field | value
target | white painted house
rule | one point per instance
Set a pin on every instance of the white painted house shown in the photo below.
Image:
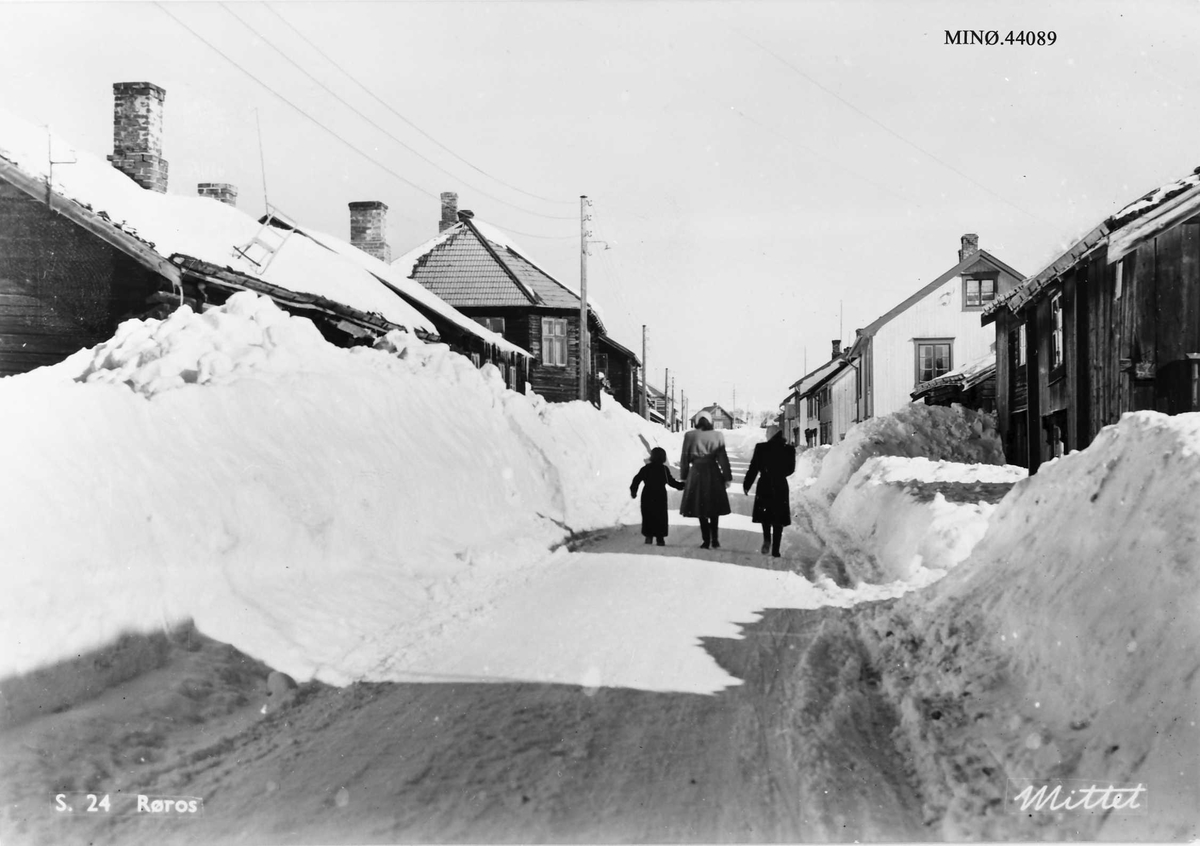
(929, 334)
(812, 407)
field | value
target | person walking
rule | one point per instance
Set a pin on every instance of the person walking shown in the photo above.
(704, 469)
(773, 461)
(654, 477)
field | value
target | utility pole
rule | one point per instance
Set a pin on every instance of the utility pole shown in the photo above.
(674, 417)
(585, 356)
(667, 398)
(645, 410)
(734, 409)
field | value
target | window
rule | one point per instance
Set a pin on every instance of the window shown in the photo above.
(1056, 331)
(978, 291)
(554, 341)
(826, 433)
(1021, 345)
(494, 324)
(933, 358)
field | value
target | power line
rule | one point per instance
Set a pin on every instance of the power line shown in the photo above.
(383, 103)
(889, 130)
(303, 113)
(337, 97)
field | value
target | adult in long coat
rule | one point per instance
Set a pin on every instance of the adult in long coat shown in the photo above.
(704, 469)
(773, 461)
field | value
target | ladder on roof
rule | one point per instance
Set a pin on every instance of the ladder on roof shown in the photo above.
(261, 250)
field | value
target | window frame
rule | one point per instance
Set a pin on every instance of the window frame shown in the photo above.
(979, 279)
(489, 323)
(554, 342)
(931, 342)
(1058, 353)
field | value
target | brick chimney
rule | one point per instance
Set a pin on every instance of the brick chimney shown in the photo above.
(368, 228)
(222, 191)
(449, 211)
(970, 246)
(137, 134)
(837, 349)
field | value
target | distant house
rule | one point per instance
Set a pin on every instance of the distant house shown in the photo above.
(930, 333)
(812, 404)
(86, 244)
(1112, 325)
(973, 385)
(484, 274)
(721, 418)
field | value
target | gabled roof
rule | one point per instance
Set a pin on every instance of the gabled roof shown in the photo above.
(1143, 218)
(713, 409)
(625, 351)
(969, 264)
(816, 379)
(472, 265)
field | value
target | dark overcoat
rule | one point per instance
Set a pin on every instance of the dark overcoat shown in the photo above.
(772, 463)
(704, 468)
(655, 478)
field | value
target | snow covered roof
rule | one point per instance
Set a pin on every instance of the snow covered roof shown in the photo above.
(967, 376)
(806, 384)
(1143, 218)
(197, 227)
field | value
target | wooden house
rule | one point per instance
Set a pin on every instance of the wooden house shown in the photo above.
(1112, 325)
(721, 419)
(929, 333)
(812, 412)
(85, 244)
(484, 274)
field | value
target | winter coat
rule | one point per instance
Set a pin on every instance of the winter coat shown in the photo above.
(654, 478)
(772, 463)
(704, 468)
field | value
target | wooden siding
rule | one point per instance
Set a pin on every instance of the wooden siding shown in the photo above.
(1128, 329)
(843, 403)
(61, 288)
(892, 352)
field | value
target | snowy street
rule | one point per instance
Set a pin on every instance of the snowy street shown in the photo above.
(799, 750)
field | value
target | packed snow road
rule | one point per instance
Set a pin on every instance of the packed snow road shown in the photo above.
(794, 745)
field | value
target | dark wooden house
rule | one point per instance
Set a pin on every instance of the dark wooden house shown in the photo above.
(78, 253)
(1110, 326)
(480, 272)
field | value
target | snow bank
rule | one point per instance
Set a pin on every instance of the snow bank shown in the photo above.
(930, 431)
(315, 506)
(905, 496)
(1068, 642)
(913, 518)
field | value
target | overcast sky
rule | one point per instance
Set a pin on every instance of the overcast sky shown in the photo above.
(768, 175)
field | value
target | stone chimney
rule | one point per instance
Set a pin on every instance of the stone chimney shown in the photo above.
(137, 134)
(837, 349)
(970, 246)
(368, 229)
(449, 211)
(222, 191)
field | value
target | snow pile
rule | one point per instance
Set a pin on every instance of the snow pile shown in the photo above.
(905, 496)
(913, 518)
(917, 430)
(1068, 643)
(315, 506)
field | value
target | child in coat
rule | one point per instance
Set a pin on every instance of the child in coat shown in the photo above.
(654, 477)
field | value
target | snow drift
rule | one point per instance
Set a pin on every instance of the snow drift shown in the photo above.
(1067, 642)
(293, 498)
(905, 496)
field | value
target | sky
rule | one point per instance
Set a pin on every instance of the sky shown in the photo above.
(764, 177)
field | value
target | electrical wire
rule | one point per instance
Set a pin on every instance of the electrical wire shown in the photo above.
(337, 97)
(891, 131)
(383, 103)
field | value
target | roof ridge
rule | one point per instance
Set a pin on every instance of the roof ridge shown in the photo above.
(491, 250)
